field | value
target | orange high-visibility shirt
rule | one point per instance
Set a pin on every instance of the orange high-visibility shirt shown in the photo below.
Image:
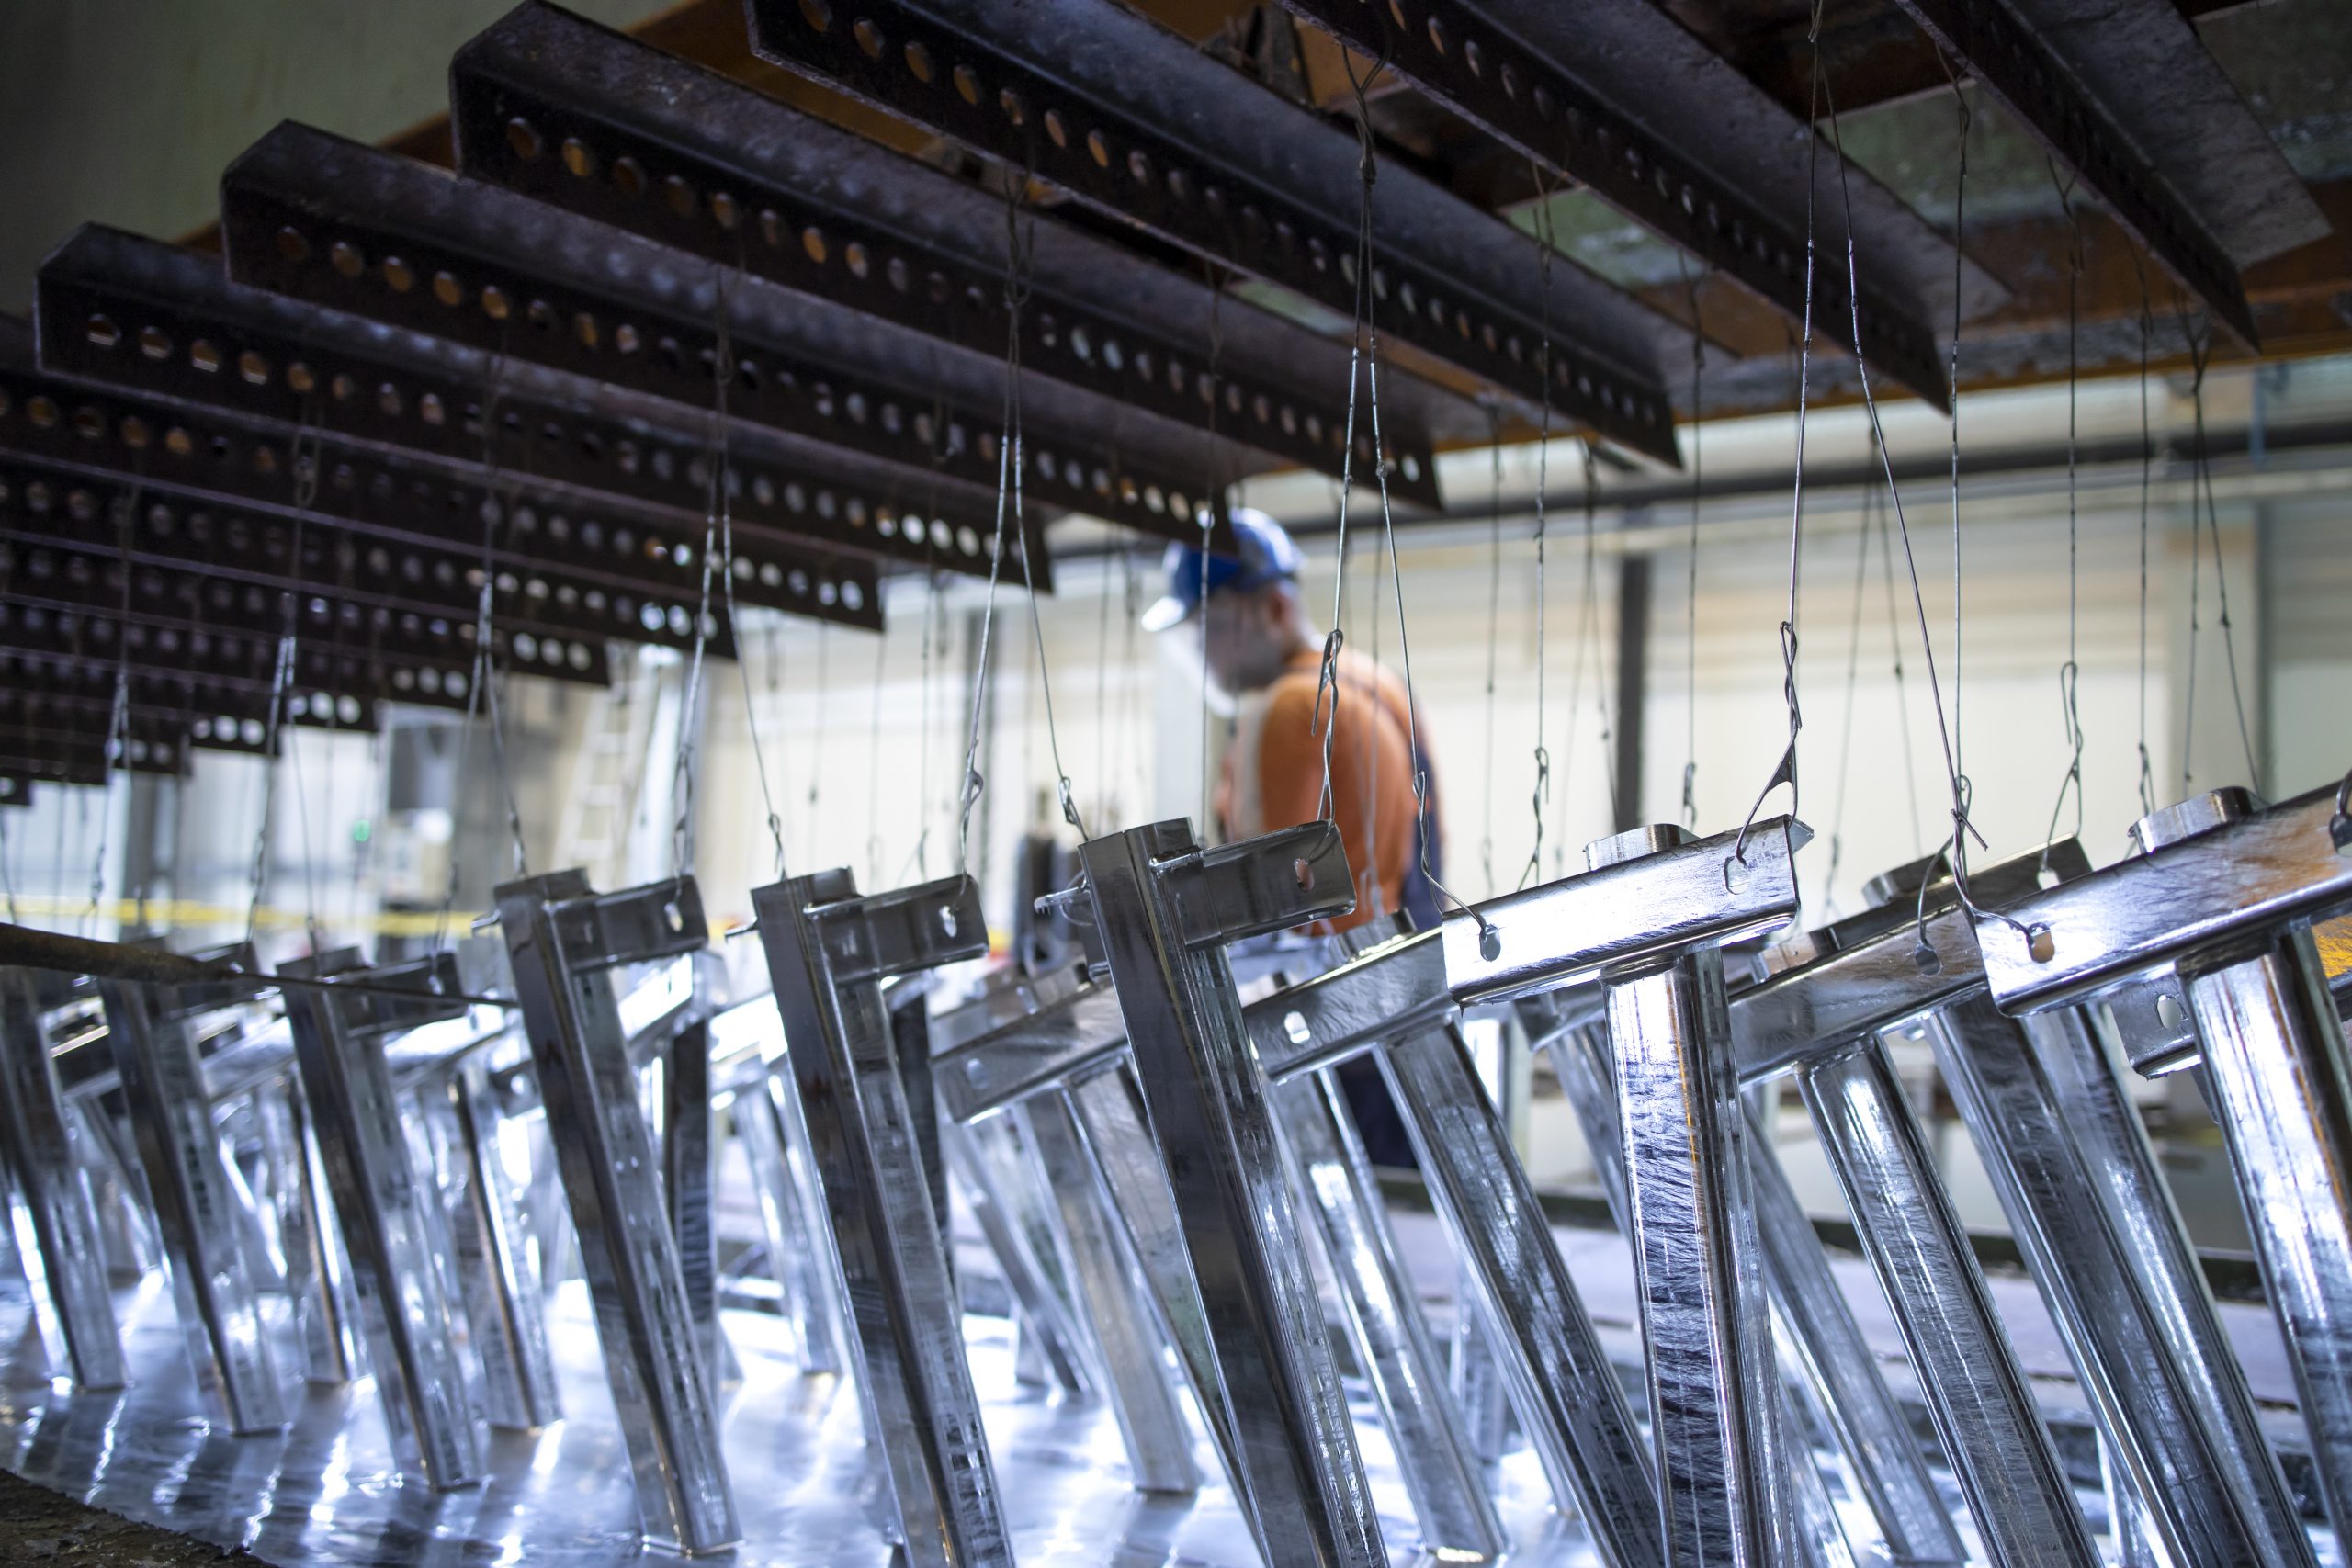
(1273, 773)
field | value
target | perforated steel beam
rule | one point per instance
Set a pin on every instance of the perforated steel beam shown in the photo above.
(117, 309)
(1133, 120)
(198, 603)
(2017, 67)
(1468, 59)
(572, 113)
(569, 553)
(349, 228)
(42, 503)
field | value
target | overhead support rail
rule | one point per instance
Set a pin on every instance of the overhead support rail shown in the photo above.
(1459, 55)
(155, 320)
(349, 228)
(1134, 121)
(2013, 61)
(566, 112)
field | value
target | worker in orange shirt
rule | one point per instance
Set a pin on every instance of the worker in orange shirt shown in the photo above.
(1264, 651)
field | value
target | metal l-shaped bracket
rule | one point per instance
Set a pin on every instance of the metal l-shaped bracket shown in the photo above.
(828, 951)
(561, 938)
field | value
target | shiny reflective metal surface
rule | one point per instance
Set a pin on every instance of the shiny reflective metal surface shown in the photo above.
(559, 937)
(1992, 1431)
(190, 1189)
(828, 951)
(390, 1237)
(62, 1254)
(1165, 908)
(1343, 1203)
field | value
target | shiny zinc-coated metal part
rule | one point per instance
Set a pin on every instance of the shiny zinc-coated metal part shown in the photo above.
(1134, 121)
(1991, 1427)
(189, 1189)
(561, 109)
(829, 950)
(1715, 1400)
(559, 937)
(1165, 908)
(38, 1152)
(1341, 1198)
(2206, 1503)
(497, 1276)
(389, 1237)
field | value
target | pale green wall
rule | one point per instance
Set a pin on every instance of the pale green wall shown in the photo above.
(125, 110)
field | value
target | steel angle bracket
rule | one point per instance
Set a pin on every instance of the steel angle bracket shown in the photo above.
(563, 110)
(560, 937)
(349, 228)
(168, 527)
(1390, 998)
(119, 309)
(829, 950)
(390, 1236)
(1165, 908)
(1134, 121)
(2172, 907)
(1877, 969)
(2223, 897)
(1462, 56)
(2013, 62)
(38, 1152)
(1694, 894)
(190, 1188)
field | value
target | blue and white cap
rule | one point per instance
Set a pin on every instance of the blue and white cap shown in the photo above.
(1263, 554)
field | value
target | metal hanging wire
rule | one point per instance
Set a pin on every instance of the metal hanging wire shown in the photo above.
(2070, 673)
(2147, 471)
(1543, 756)
(816, 723)
(874, 767)
(1846, 730)
(1785, 771)
(1368, 337)
(1494, 629)
(1697, 480)
(2201, 503)
(117, 743)
(720, 509)
(1009, 464)
(281, 678)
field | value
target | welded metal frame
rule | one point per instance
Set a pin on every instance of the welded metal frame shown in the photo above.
(1461, 56)
(189, 1189)
(2223, 897)
(828, 951)
(38, 1138)
(391, 1235)
(1721, 1458)
(584, 300)
(1135, 123)
(561, 939)
(546, 103)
